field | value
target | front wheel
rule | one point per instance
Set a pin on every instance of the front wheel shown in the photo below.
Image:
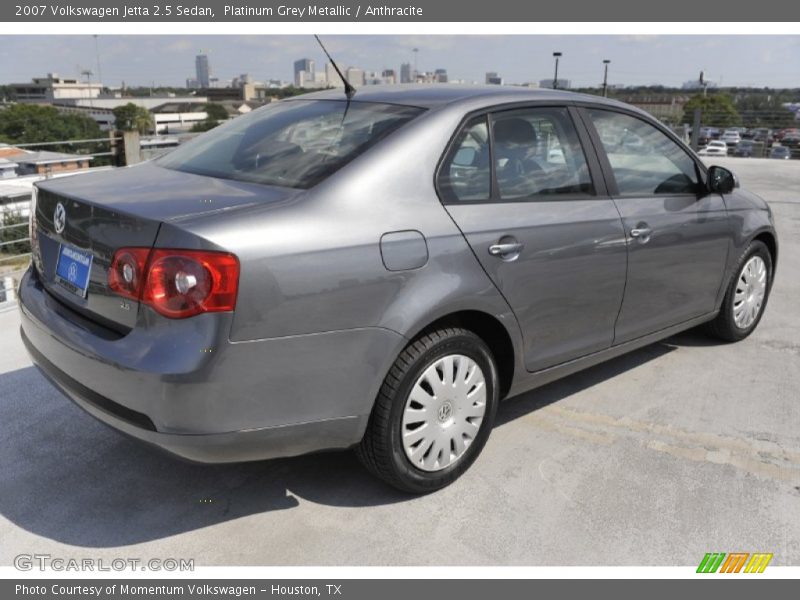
(434, 412)
(746, 296)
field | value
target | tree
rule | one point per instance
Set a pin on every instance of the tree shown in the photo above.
(204, 125)
(216, 112)
(31, 123)
(717, 109)
(131, 117)
(766, 110)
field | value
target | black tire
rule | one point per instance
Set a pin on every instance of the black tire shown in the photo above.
(723, 327)
(381, 450)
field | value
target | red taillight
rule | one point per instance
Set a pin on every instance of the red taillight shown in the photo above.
(127, 273)
(176, 283)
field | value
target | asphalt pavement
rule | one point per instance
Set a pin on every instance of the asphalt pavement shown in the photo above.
(655, 458)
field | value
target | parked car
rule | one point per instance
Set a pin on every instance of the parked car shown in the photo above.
(378, 272)
(762, 134)
(791, 141)
(744, 149)
(781, 152)
(714, 148)
(731, 137)
(782, 133)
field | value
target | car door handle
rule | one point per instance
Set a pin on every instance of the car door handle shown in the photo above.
(505, 248)
(641, 232)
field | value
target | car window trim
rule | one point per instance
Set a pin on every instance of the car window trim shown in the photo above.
(595, 171)
(611, 181)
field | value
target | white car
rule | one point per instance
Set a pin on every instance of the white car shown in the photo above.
(731, 137)
(714, 148)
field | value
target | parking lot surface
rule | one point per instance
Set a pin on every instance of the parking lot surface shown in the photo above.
(655, 458)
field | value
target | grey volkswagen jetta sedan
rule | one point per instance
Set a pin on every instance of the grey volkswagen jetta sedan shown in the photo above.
(380, 272)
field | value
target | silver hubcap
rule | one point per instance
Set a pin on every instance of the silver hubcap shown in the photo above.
(750, 290)
(443, 412)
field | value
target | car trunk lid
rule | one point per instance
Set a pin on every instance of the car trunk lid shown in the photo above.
(85, 219)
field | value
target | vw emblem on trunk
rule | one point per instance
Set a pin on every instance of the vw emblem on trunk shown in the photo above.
(60, 218)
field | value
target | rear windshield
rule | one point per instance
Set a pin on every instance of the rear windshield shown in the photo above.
(294, 144)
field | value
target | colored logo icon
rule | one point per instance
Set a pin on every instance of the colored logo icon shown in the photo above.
(735, 562)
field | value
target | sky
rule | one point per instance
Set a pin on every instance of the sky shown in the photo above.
(739, 60)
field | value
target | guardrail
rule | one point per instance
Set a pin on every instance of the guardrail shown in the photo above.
(116, 149)
(15, 254)
(112, 141)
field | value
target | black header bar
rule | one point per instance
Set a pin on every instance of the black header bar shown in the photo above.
(712, 11)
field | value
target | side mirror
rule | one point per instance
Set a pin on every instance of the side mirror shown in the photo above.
(721, 180)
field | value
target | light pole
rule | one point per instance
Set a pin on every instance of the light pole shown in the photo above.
(88, 74)
(556, 55)
(606, 62)
(97, 55)
(416, 52)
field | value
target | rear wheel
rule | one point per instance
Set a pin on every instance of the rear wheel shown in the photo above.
(434, 412)
(746, 296)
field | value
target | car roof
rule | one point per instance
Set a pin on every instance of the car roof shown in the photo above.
(440, 94)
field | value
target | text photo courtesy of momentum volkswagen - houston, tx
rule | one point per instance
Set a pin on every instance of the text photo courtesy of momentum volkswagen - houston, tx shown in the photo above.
(317, 299)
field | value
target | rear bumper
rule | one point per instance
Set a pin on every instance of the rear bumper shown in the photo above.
(232, 446)
(234, 402)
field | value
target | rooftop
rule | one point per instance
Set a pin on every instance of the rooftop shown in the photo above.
(8, 151)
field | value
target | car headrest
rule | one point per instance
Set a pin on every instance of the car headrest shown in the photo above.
(514, 131)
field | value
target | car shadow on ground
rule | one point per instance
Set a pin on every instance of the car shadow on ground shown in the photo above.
(69, 478)
(538, 398)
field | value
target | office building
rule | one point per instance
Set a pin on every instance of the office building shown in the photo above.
(405, 73)
(53, 87)
(303, 72)
(202, 70)
(493, 78)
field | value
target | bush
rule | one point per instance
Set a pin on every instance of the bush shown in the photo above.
(205, 125)
(12, 234)
(31, 123)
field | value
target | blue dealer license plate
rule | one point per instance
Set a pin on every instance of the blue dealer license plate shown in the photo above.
(73, 269)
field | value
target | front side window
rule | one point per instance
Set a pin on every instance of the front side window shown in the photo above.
(645, 161)
(294, 143)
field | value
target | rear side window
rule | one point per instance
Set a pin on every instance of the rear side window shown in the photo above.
(532, 154)
(537, 154)
(292, 144)
(466, 175)
(645, 161)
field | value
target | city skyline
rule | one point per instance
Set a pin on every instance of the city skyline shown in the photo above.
(670, 60)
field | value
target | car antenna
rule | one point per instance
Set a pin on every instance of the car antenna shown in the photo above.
(349, 90)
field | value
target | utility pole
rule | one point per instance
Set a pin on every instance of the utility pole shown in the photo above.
(556, 55)
(416, 72)
(606, 62)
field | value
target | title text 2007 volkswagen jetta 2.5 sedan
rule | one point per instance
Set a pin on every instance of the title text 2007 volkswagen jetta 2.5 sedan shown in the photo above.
(379, 272)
